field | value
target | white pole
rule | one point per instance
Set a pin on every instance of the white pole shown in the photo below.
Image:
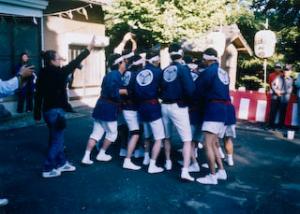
(265, 74)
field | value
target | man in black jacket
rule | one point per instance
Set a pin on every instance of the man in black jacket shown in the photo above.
(51, 100)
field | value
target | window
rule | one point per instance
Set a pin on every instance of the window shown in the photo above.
(93, 68)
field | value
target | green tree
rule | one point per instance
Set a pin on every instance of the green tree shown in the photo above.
(165, 21)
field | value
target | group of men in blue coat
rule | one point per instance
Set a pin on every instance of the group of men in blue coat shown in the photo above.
(191, 96)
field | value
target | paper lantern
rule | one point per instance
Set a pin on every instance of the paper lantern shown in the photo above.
(264, 43)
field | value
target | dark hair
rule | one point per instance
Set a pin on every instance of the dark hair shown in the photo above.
(47, 56)
(126, 51)
(21, 55)
(135, 58)
(188, 59)
(174, 47)
(211, 52)
(151, 54)
(111, 60)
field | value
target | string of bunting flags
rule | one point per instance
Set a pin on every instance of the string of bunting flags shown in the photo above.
(66, 13)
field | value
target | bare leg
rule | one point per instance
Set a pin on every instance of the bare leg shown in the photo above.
(209, 142)
(132, 144)
(194, 159)
(155, 152)
(106, 144)
(147, 151)
(167, 145)
(217, 155)
(90, 144)
(87, 155)
(156, 149)
(186, 152)
(228, 145)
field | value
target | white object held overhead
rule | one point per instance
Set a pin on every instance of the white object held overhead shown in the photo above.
(264, 43)
(217, 41)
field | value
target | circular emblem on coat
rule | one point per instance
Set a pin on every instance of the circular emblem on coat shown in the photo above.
(223, 76)
(144, 77)
(126, 78)
(194, 76)
(170, 73)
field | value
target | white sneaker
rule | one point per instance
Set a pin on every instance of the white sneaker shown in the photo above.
(185, 175)
(102, 156)
(3, 202)
(221, 174)
(200, 145)
(123, 152)
(205, 165)
(146, 160)
(87, 161)
(127, 164)
(208, 179)
(194, 167)
(51, 174)
(168, 165)
(67, 168)
(229, 160)
(153, 168)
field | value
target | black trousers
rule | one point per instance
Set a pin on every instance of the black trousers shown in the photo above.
(283, 110)
(275, 107)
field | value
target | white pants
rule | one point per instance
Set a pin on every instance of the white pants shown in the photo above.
(172, 113)
(217, 128)
(131, 119)
(156, 128)
(230, 131)
(109, 128)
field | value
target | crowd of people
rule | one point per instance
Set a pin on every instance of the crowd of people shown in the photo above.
(191, 95)
(282, 86)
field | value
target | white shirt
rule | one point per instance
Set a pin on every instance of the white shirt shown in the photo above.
(8, 87)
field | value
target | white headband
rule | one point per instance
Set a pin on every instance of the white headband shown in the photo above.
(154, 59)
(128, 55)
(210, 57)
(140, 61)
(117, 61)
(179, 52)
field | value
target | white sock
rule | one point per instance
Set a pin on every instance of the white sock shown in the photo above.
(229, 156)
(102, 151)
(146, 154)
(152, 162)
(87, 154)
(185, 170)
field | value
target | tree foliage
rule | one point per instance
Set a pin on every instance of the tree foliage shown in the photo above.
(165, 21)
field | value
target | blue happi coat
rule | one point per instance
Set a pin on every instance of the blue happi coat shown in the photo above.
(215, 88)
(177, 84)
(146, 91)
(107, 106)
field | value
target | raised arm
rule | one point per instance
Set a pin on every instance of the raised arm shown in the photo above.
(70, 68)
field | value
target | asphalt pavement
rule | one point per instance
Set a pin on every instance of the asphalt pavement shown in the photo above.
(265, 178)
